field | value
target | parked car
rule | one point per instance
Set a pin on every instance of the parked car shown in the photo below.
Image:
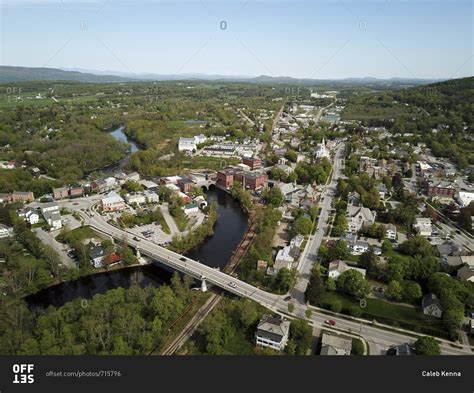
(286, 298)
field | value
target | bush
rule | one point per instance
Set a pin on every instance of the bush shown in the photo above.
(355, 311)
(336, 306)
(357, 347)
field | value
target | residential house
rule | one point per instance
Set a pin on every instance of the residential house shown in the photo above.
(53, 219)
(283, 259)
(391, 232)
(337, 267)
(49, 207)
(135, 198)
(423, 226)
(60, 193)
(30, 215)
(76, 191)
(272, 332)
(359, 247)
(466, 273)
(431, 305)
(97, 256)
(335, 344)
(4, 231)
(151, 197)
(358, 217)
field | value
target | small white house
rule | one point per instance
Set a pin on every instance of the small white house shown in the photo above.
(283, 259)
(391, 232)
(30, 215)
(423, 226)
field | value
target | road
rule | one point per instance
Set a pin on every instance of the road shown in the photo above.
(311, 251)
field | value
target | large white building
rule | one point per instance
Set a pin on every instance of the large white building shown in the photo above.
(113, 202)
(272, 333)
(465, 198)
(190, 144)
(321, 150)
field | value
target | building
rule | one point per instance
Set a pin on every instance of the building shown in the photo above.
(135, 198)
(191, 208)
(283, 259)
(53, 219)
(4, 231)
(440, 188)
(60, 193)
(359, 217)
(391, 232)
(401, 350)
(431, 305)
(185, 184)
(466, 273)
(321, 150)
(151, 197)
(201, 201)
(190, 144)
(335, 344)
(30, 215)
(49, 207)
(76, 192)
(251, 180)
(97, 256)
(253, 163)
(272, 332)
(113, 202)
(423, 226)
(336, 268)
(22, 196)
(465, 198)
(225, 178)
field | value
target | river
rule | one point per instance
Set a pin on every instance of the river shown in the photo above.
(229, 230)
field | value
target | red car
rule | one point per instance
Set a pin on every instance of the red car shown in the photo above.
(330, 322)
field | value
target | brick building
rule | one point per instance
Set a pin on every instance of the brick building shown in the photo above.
(253, 163)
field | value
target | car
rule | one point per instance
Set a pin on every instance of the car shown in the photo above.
(232, 284)
(330, 322)
(458, 231)
(182, 259)
(136, 239)
(286, 298)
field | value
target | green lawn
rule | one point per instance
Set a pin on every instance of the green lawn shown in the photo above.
(81, 233)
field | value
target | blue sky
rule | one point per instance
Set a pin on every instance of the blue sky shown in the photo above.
(317, 39)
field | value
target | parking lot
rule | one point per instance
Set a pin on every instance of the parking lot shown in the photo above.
(151, 232)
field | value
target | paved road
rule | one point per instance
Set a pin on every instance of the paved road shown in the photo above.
(311, 251)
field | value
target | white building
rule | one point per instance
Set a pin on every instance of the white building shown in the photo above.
(151, 197)
(465, 198)
(321, 150)
(49, 207)
(272, 333)
(30, 215)
(113, 202)
(135, 198)
(423, 226)
(53, 219)
(359, 216)
(191, 208)
(391, 232)
(336, 268)
(4, 231)
(283, 259)
(190, 144)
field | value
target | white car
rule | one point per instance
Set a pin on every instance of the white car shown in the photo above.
(232, 284)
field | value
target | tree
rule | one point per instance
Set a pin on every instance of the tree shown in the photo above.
(465, 219)
(284, 279)
(353, 283)
(315, 288)
(412, 291)
(336, 306)
(357, 347)
(394, 291)
(301, 334)
(291, 307)
(302, 226)
(273, 196)
(427, 346)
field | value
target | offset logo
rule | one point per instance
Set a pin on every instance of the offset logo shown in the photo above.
(23, 373)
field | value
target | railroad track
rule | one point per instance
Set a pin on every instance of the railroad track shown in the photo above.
(193, 324)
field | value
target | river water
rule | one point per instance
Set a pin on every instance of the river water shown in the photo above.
(216, 251)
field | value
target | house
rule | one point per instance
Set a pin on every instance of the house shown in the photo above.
(97, 256)
(466, 273)
(431, 305)
(135, 198)
(191, 208)
(76, 192)
(465, 198)
(336, 268)
(151, 197)
(391, 232)
(359, 247)
(283, 259)
(60, 193)
(440, 188)
(53, 219)
(335, 344)
(423, 226)
(353, 199)
(451, 263)
(30, 215)
(4, 231)
(358, 217)
(295, 245)
(184, 198)
(113, 202)
(288, 190)
(49, 207)
(201, 201)
(382, 189)
(272, 332)
(449, 249)
(401, 350)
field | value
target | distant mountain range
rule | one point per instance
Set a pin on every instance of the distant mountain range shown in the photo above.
(10, 74)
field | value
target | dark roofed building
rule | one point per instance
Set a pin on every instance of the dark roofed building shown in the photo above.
(431, 305)
(272, 332)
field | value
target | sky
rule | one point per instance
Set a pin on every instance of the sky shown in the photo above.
(316, 39)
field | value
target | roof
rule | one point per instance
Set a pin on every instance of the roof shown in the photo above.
(465, 273)
(273, 328)
(112, 198)
(284, 254)
(333, 344)
(191, 206)
(429, 300)
(97, 252)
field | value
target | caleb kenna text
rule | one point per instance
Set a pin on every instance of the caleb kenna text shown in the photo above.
(443, 373)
